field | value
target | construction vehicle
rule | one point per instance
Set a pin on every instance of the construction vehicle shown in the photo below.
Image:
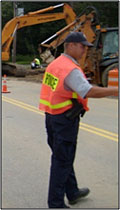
(98, 60)
(107, 44)
(32, 18)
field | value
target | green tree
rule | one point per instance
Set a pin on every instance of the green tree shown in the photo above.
(107, 11)
(7, 12)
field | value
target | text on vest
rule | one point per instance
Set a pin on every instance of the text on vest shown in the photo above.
(50, 80)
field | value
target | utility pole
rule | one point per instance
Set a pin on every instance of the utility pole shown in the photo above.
(71, 3)
(15, 36)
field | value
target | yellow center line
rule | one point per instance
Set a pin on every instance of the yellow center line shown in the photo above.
(99, 129)
(20, 102)
(22, 105)
(86, 127)
(99, 134)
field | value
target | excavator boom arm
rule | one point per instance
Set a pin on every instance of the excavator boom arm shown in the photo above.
(82, 23)
(27, 20)
(33, 18)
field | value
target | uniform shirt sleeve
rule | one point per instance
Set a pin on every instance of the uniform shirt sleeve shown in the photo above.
(76, 82)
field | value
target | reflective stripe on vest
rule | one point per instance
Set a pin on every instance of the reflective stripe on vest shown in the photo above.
(60, 105)
(56, 106)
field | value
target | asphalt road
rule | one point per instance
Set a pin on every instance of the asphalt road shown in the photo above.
(26, 155)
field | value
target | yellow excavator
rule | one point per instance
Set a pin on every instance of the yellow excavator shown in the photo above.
(98, 60)
(32, 18)
(84, 23)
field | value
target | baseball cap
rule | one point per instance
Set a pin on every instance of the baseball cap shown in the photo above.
(77, 37)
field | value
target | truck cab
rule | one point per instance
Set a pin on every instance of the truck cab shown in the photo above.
(109, 57)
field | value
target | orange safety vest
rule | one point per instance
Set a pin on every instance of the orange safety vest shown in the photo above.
(54, 99)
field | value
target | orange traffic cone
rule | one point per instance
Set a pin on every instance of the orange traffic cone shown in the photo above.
(4, 86)
(113, 78)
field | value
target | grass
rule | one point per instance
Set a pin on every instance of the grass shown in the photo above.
(24, 59)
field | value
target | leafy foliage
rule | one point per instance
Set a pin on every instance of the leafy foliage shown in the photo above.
(107, 11)
(7, 12)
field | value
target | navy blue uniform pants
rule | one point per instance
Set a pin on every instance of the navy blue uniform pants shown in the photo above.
(62, 139)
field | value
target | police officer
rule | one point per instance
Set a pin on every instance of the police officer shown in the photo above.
(64, 81)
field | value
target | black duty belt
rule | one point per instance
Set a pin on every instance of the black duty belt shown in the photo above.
(76, 110)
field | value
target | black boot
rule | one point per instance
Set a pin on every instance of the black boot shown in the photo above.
(82, 193)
